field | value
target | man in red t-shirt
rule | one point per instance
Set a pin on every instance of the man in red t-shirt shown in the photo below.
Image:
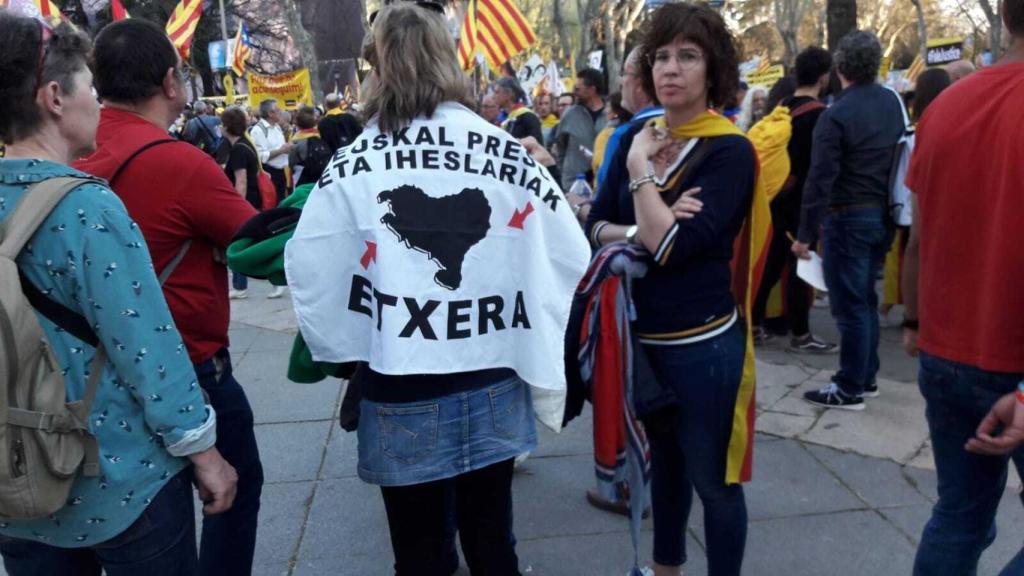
(964, 286)
(184, 204)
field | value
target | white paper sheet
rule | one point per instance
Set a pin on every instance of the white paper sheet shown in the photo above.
(812, 272)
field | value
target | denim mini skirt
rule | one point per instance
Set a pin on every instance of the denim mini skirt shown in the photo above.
(407, 443)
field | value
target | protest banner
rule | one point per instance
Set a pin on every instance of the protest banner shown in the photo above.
(291, 89)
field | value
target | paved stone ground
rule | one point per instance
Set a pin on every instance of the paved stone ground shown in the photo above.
(834, 493)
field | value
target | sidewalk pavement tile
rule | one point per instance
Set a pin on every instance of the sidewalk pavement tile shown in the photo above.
(794, 404)
(275, 399)
(858, 542)
(347, 521)
(292, 452)
(282, 514)
(274, 569)
(776, 380)
(878, 482)
(784, 425)
(788, 481)
(550, 499)
(576, 439)
(342, 455)
(892, 426)
(596, 554)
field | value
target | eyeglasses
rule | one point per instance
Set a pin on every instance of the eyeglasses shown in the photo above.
(45, 34)
(686, 58)
(431, 5)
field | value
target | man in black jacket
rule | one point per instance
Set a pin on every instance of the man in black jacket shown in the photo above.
(847, 195)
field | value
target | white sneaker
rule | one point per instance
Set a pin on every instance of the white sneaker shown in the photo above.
(277, 293)
(238, 294)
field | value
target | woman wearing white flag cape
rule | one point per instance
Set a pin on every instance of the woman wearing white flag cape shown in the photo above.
(436, 253)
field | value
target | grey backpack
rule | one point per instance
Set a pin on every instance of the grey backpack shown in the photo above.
(44, 439)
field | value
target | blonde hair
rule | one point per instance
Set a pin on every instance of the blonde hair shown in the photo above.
(416, 68)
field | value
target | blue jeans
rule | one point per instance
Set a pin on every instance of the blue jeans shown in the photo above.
(963, 524)
(856, 241)
(239, 281)
(229, 539)
(689, 448)
(162, 542)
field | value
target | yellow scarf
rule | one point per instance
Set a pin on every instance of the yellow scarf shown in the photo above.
(516, 113)
(549, 122)
(749, 255)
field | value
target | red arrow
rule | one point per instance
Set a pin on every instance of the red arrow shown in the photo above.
(520, 217)
(370, 255)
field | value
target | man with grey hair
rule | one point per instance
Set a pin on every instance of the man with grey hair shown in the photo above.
(847, 196)
(338, 128)
(203, 131)
(521, 121)
(271, 145)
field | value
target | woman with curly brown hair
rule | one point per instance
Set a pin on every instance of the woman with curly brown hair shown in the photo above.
(692, 182)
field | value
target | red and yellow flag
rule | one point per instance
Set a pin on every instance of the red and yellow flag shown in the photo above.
(181, 27)
(467, 37)
(498, 28)
(117, 11)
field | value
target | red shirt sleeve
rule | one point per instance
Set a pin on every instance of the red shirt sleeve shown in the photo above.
(215, 208)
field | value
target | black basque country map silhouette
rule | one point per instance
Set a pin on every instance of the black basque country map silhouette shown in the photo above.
(443, 228)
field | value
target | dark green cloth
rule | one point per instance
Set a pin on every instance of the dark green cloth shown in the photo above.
(258, 251)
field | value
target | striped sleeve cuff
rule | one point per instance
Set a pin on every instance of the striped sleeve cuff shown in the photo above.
(665, 247)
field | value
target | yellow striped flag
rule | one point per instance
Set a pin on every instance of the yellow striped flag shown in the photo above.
(181, 27)
(467, 37)
(764, 66)
(502, 31)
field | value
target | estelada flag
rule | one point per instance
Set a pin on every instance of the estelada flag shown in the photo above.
(243, 49)
(181, 27)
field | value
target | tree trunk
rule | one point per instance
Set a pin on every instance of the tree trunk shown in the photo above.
(922, 28)
(304, 44)
(611, 59)
(995, 22)
(563, 36)
(842, 19)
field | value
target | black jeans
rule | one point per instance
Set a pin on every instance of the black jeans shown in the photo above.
(162, 542)
(419, 517)
(280, 182)
(797, 292)
(229, 538)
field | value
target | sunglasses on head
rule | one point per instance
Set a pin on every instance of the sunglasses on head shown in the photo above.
(431, 5)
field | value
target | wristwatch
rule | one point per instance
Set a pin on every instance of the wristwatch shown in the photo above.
(631, 234)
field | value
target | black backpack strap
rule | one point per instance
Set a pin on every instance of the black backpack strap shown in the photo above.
(124, 164)
(71, 322)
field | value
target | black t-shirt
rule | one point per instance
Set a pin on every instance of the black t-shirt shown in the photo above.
(243, 157)
(786, 207)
